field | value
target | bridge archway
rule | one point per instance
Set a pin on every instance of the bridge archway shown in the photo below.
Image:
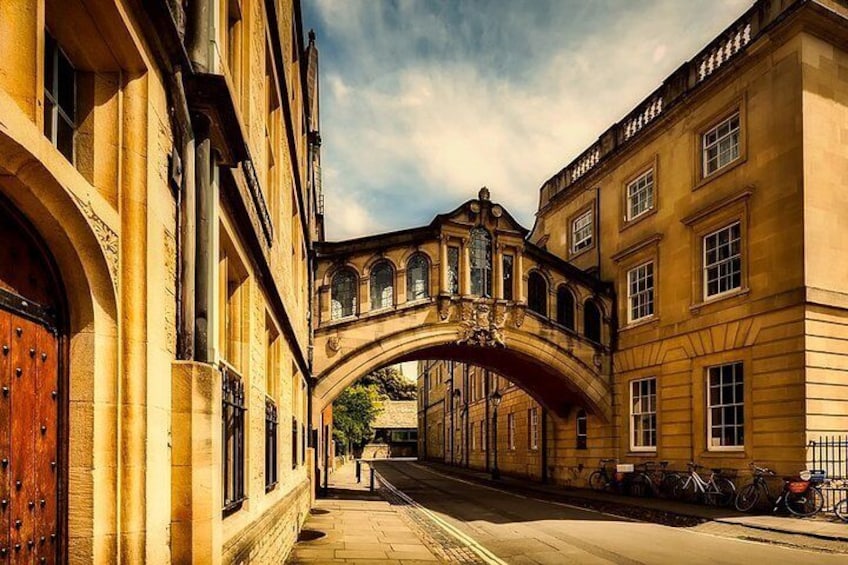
(462, 319)
(549, 371)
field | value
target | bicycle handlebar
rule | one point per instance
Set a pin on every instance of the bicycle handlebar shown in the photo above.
(760, 470)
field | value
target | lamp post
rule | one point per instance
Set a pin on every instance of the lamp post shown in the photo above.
(496, 400)
(457, 394)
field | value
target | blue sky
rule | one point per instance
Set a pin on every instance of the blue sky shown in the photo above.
(425, 101)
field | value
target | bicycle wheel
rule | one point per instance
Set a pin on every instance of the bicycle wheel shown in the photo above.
(747, 498)
(726, 492)
(841, 509)
(686, 490)
(806, 503)
(640, 486)
(597, 481)
(669, 485)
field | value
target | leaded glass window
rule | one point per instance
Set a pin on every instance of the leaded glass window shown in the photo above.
(507, 277)
(565, 307)
(382, 286)
(481, 262)
(417, 278)
(537, 293)
(343, 294)
(60, 98)
(592, 321)
(453, 270)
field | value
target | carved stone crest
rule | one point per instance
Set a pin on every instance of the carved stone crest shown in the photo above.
(518, 315)
(480, 326)
(334, 344)
(444, 307)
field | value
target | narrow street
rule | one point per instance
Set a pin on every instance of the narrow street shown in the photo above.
(518, 529)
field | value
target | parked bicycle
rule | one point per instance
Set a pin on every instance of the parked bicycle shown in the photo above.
(715, 490)
(603, 478)
(841, 509)
(653, 480)
(749, 496)
(800, 495)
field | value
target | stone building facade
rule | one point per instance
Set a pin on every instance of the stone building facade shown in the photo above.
(714, 209)
(159, 193)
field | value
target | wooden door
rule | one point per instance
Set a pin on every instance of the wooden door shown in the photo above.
(29, 420)
(31, 364)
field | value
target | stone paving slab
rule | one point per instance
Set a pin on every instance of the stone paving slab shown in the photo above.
(361, 528)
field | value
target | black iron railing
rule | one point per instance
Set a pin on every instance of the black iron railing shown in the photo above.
(271, 425)
(830, 454)
(232, 424)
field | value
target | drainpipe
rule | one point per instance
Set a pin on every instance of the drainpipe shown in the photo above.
(205, 217)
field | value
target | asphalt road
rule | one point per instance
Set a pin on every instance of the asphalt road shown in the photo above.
(519, 530)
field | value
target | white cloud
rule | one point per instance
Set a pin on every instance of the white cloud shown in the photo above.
(424, 106)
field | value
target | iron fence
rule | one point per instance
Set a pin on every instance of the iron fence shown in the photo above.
(830, 455)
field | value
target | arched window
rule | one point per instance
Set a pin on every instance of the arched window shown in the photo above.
(481, 262)
(565, 307)
(343, 294)
(592, 321)
(537, 293)
(417, 278)
(382, 285)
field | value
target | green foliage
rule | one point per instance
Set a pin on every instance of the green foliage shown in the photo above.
(390, 382)
(354, 411)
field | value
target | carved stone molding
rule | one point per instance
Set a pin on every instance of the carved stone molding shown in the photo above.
(481, 325)
(107, 237)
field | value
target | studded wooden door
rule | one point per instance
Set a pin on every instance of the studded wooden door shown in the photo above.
(29, 420)
(32, 353)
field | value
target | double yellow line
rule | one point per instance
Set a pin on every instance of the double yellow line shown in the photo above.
(484, 554)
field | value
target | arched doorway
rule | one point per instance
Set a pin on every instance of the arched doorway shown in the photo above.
(32, 395)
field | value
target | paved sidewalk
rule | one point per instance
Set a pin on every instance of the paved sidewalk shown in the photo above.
(360, 527)
(669, 512)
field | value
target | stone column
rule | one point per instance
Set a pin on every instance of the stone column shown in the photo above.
(518, 277)
(465, 268)
(443, 264)
(497, 273)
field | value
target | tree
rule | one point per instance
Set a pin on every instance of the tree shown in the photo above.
(391, 383)
(354, 411)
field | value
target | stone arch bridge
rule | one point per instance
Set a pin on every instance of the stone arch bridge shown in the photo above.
(467, 287)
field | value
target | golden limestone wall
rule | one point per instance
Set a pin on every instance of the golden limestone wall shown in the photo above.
(144, 450)
(825, 105)
(761, 325)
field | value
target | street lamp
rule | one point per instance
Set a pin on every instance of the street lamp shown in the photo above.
(496, 400)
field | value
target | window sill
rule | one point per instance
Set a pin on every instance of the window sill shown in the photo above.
(634, 452)
(633, 221)
(722, 171)
(575, 254)
(734, 452)
(651, 320)
(695, 308)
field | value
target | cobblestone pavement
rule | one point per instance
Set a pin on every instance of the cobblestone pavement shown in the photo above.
(364, 527)
(521, 529)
